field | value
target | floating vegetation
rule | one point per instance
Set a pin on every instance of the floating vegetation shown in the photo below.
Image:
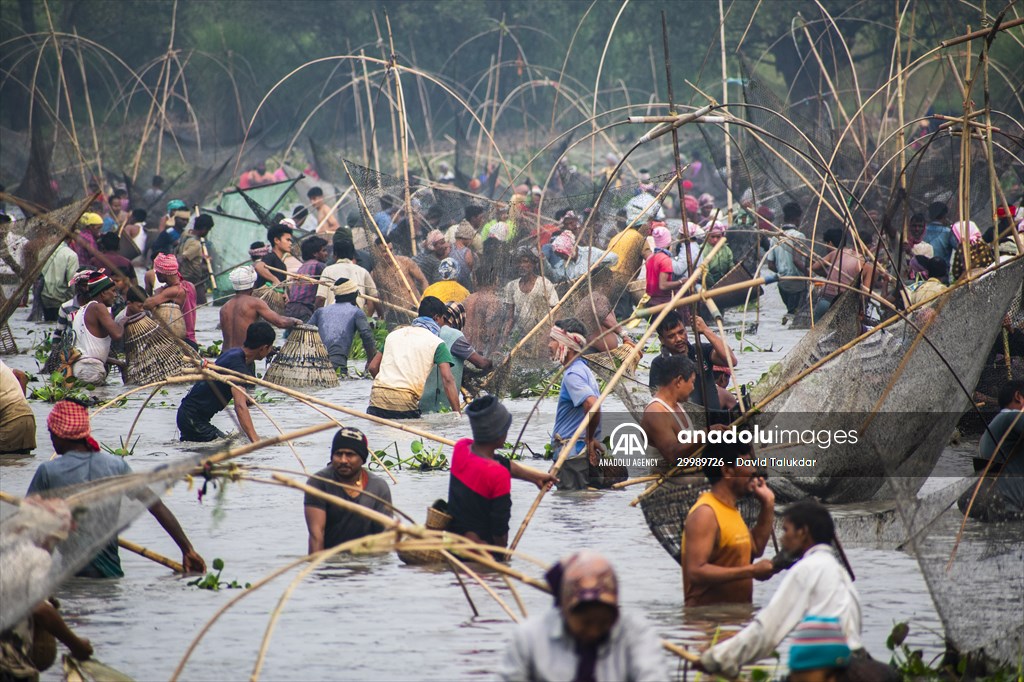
(212, 581)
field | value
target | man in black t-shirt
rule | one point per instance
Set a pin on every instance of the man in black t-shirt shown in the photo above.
(329, 524)
(672, 334)
(209, 397)
(280, 238)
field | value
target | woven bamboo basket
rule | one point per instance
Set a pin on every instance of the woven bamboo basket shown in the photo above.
(7, 344)
(303, 361)
(274, 296)
(171, 314)
(151, 354)
(611, 360)
(436, 520)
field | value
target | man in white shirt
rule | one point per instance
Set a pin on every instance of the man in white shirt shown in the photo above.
(345, 267)
(817, 584)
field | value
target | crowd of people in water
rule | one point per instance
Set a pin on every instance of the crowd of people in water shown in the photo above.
(468, 293)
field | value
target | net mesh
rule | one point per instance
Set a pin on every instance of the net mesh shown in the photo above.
(26, 245)
(44, 545)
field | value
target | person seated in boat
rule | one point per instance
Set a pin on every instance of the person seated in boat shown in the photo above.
(585, 635)
(401, 370)
(207, 398)
(932, 286)
(573, 262)
(339, 322)
(577, 395)
(17, 422)
(81, 461)
(816, 584)
(479, 487)
(462, 351)
(979, 253)
(1001, 496)
(329, 524)
(176, 292)
(718, 551)
(658, 269)
(94, 328)
(674, 341)
(447, 287)
(243, 309)
(722, 262)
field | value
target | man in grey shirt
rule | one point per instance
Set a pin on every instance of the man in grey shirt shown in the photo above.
(339, 322)
(584, 636)
(1001, 497)
(329, 524)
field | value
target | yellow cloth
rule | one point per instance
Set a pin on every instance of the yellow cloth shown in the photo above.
(733, 548)
(448, 290)
(927, 289)
(628, 245)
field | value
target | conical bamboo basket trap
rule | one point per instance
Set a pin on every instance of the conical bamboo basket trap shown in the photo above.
(151, 354)
(303, 362)
(171, 314)
(274, 296)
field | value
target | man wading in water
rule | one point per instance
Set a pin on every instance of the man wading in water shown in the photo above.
(243, 309)
(717, 548)
(480, 485)
(330, 525)
(81, 460)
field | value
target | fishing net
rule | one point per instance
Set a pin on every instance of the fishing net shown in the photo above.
(499, 315)
(44, 544)
(26, 245)
(979, 593)
(897, 388)
(665, 510)
(239, 221)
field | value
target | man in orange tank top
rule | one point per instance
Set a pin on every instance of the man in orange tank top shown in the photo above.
(718, 550)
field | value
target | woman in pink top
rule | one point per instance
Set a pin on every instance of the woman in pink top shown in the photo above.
(659, 268)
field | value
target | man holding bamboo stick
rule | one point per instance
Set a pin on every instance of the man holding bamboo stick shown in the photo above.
(81, 461)
(577, 395)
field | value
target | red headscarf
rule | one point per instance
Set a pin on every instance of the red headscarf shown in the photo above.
(70, 420)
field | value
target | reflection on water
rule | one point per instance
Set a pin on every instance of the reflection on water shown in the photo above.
(374, 617)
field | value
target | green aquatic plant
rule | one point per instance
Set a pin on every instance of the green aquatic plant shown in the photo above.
(212, 581)
(57, 388)
(948, 666)
(211, 351)
(125, 450)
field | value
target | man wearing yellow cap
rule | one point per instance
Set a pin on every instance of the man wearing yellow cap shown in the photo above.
(88, 250)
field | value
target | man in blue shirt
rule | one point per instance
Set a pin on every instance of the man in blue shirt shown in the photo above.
(577, 396)
(81, 461)
(207, 398)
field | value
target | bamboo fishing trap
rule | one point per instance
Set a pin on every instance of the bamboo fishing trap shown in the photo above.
(303, 361)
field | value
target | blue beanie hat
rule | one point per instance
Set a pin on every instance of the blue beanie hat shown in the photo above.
(818, 642)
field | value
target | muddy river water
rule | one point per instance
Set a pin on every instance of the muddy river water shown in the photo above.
(373, 617)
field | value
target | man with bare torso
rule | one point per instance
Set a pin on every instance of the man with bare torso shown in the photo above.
(243, 309)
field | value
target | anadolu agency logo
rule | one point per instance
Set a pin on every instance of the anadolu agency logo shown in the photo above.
(628, 440)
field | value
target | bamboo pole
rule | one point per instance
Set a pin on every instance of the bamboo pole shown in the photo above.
(547, 319)
(633, 352)
(370, 109)
(217, 370)
(403, 133)
(88, 105)
(725, 103)
(314, 280)
(67, 95)
(151, 555)
(127, 544)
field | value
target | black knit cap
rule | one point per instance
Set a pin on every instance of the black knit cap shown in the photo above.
(348, 438)
(489, 420)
